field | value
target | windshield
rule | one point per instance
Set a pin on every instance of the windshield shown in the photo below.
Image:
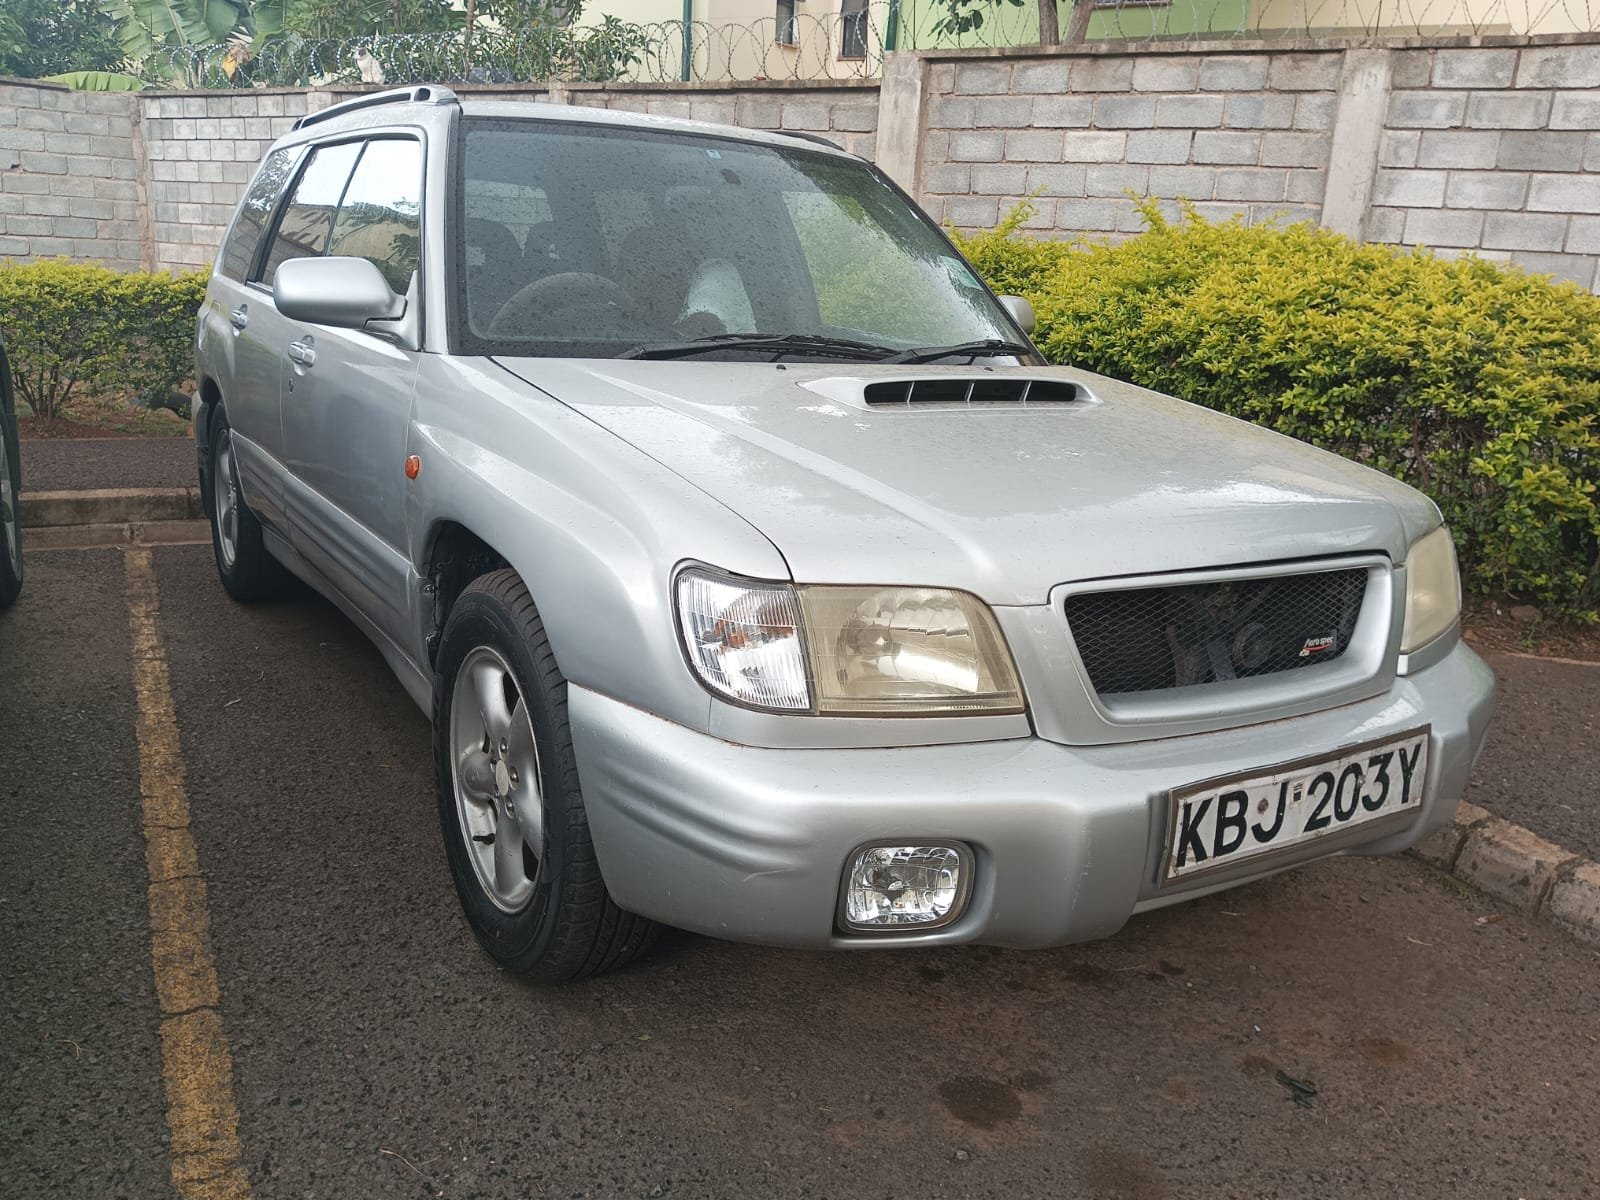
(588, 241)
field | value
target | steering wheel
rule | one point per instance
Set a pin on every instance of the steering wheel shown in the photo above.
(577, 299)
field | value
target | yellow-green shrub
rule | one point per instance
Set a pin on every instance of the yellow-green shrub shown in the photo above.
(76, 327)
(1477, 383)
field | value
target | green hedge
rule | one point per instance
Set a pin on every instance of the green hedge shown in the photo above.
(1476, 383)
(75, 328)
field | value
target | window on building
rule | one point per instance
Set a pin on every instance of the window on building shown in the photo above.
(853, 28)
(786, 35)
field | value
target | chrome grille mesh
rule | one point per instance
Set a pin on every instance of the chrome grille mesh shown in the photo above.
(1155, 638)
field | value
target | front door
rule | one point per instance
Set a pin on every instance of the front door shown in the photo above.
(241, 332)
(346, 401)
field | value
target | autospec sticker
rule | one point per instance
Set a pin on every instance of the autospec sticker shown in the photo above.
(1316, 645)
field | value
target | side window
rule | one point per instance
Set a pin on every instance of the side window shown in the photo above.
(307, 219)
(380, 217)
(239, 251)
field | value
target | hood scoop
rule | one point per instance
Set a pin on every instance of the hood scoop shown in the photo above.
(922, 391)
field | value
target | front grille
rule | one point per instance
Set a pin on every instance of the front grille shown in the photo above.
(1151, 639)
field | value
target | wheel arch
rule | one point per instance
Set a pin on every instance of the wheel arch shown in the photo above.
(453, 557)
(591, 524)
(600, 590)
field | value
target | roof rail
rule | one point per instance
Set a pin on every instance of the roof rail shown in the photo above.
(807, 137)
(426, 94)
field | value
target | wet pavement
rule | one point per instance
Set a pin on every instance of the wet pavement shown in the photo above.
(1454, 1046)
(83, 464)
(1541, 765)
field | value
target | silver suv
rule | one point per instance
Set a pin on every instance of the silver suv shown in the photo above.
(759, 576)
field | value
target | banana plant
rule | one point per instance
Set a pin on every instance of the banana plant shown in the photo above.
(146, 26)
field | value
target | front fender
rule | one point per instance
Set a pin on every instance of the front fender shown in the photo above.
(594, 527)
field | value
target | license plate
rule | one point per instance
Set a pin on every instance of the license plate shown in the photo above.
(1220, 822)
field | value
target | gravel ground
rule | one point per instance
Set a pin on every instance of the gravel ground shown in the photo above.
(80, 464)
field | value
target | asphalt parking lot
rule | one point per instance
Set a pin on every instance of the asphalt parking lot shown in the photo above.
(1454, 1046)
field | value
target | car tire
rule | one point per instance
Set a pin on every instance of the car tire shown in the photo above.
(10, 493)
(246, 569)
(10, 522)
(505, 769)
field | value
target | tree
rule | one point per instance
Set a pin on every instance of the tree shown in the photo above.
(161, 37)
(319, 19)
(47, 37)
(146, 27)
(964, 16)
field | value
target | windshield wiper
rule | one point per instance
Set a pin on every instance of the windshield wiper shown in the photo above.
(811, 342)
(988, 348)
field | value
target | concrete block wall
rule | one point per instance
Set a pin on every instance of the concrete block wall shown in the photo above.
(844, 111)
(1081, 134)
(1494, 150)
(69, 178)
(1484, 145)
(199, 151)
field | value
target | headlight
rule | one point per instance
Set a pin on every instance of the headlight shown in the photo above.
(882, 651)
(846, 651)
(1433, 589)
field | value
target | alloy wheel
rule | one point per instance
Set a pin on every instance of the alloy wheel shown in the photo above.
(226, 491)
(495, 759)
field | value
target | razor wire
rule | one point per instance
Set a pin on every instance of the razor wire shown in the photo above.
(836, 45)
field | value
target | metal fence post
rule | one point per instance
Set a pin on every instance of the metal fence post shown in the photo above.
(688, 40)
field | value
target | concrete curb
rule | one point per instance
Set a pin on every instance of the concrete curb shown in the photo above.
(109, 506)
(126, 533)
(1518, 866)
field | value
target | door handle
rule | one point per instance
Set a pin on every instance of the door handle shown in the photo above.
(302, 352)
(240, 316)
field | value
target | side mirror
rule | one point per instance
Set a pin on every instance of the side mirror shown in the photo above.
(339, 291)
(1021, 311)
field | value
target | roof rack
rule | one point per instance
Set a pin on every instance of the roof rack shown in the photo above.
(807, 137)
(426, 94)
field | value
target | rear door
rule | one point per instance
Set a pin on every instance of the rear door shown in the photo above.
(236, 341)
(347, 399)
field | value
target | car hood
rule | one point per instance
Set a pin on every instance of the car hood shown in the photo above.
(1005, 500)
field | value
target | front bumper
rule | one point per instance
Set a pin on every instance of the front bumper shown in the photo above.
(749, 843)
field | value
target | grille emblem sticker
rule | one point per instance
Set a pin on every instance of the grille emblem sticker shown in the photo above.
(1316, 645)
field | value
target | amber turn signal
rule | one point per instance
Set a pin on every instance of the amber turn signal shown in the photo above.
(413, 465)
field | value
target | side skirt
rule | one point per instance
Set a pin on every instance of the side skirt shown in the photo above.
(418, 684)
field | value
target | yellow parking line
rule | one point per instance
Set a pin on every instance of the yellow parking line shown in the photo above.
(195, 1061)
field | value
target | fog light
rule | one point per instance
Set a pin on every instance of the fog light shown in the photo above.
(892, 887)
